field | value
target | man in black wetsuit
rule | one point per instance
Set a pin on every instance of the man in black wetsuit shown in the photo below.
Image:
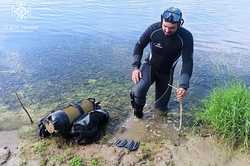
(168, 41)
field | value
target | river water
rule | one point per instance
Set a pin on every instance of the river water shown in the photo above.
(59, 51)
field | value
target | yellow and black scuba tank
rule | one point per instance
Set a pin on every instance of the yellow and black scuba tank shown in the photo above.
(60, 121)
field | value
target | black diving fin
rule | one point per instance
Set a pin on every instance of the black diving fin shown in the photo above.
(129, 144)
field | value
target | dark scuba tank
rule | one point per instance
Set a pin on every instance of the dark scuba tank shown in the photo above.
(60, 121)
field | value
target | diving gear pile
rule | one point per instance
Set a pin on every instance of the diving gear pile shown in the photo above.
(82, 122)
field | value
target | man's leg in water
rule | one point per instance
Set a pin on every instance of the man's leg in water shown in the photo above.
(139, 91)
(163, 91)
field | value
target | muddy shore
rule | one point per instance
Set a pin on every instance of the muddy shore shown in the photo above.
(159, 145)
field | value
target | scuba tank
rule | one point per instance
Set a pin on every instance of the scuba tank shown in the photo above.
(60, 121)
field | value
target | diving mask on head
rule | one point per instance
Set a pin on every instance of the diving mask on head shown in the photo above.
(172, 15)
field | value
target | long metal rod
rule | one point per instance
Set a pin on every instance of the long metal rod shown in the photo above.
(181, 109)
(172, 86)
(180, 121)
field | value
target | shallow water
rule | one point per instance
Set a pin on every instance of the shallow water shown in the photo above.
(60, 51)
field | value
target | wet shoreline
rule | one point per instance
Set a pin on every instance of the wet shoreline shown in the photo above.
(9, 145)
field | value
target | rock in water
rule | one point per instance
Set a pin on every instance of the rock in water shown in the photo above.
(4, 154)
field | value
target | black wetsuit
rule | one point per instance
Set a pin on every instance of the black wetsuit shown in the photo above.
(159, 65)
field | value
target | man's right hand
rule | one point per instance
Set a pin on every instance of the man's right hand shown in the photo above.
(136, 75)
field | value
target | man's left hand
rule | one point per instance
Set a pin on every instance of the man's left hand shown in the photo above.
(180, 93)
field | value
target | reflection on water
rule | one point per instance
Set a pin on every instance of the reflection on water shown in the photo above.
(50, 51)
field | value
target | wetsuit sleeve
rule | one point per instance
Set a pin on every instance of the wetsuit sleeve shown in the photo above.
(187, 60)
(139, 47)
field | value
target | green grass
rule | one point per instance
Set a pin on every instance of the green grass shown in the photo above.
(56, 159)
(40, 147)
(95, 162)
(76, 161)
(227, 112)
